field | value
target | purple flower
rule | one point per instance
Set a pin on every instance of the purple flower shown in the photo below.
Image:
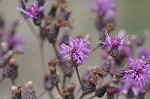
(77, 49)
(16, 42)
(130, 85)
(115, 41)
(31, 12)
(144, 52)
(102, 7)
(138, 70)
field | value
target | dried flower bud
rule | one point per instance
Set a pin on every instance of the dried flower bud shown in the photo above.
(48, 85)
(37, 21)
(48, 20)
(13, 62)
(101, 91)
(52, 34)
(114, 51)
(61, 23)
(29, 84)
(53, 63)
(4, 46)
(53, 10)
(52, 66)
(109, 27)
(11, 70)
(68, 69)
(51, 80)
(97, 74)
(66, 94)
(100, 73)
(88, 87)
(28, 92)
(106, 67)
(65, 37)
(16, 93)
(94, 79)
(47, 28)
(63, 4)
(109, 58)
(120, 73)
(71, 87)
(65, 14)
(111, 91)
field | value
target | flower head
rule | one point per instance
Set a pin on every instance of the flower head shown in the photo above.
(16, 42)
(102, 7)
(138, 70)
(115, 41)
(77, 49)
(31, 12)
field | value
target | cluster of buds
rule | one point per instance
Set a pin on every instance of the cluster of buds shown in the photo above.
(105, 12)
(90, 86)
(53, 30)
(16, 92)
(53, 22)
(98, 74)
(10, 44)
(11, 70)
(23, 92)
(52, 79)
(68, 93)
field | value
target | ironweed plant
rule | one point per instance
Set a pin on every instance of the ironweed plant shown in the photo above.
(129, 76)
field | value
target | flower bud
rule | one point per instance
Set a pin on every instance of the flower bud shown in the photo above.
(16, 93)
(100, 91)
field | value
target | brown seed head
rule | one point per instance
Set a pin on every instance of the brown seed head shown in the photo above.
(109, 27)
(13, 62)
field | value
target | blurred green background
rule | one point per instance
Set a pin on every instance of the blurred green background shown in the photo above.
(132, 16)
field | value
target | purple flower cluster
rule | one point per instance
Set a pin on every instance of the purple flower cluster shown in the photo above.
(139, 71)
(115, 41)
(16, 42)
(77, 49)
(104, 7)
(31, 12)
